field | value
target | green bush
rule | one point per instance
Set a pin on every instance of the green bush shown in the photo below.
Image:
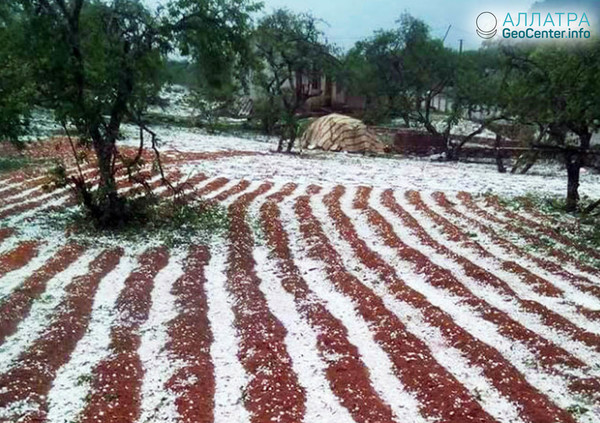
(173, 222)
(9, 164)
(268, 113)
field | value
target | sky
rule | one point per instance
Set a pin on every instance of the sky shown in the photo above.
(351, 20)
(347, 21)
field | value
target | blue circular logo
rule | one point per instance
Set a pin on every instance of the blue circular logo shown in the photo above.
(486, 25)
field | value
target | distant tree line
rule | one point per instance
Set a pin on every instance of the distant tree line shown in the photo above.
(552, 88)
(97, 64)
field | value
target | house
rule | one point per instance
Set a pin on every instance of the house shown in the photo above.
(330, 95)
(323, 92)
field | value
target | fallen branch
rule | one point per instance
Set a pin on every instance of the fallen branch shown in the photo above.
(592, 207)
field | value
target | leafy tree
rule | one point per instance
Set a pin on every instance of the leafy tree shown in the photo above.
(556, 87)
(392, 68)
(215, 35)
(406, 68)
(16, 88)
(97, 64)
(475, 92)
(371, 72)
(289, 45)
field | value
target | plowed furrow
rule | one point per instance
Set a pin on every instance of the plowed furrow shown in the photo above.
(31, 379)
(16, 307)
(348, 378)
(18, 257)
(579, 293)
(500, 371)
(439, 393)
(558, 254)
(528, 301)
(273, 392)
(190, 341)
(117, 380)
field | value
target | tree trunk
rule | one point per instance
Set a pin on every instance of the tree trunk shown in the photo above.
(573, 172)
(517, 163)
(452, 150)
(291, 142)
(499, 162)
(108, 208)
(406, 119)
(532, 160)
(292, 129)
(575, 161)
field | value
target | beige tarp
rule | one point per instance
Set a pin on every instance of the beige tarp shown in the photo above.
(341, 133)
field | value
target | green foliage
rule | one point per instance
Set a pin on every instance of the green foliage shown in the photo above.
(303, 125)
(173, 223)
(9, 164)
(58, 178)
(401, 70)
(16, 86)
(110, 64)
(578, 410)
(268, 111)
(181, 72)
(97, 63)
(215, 35)
(479, 80)
(290, 52)
(397, 69)
(555, 84)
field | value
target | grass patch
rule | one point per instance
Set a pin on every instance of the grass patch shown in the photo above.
(171, 223)
(577, 410)
(254, 221)
(10, 164)
(581, 228)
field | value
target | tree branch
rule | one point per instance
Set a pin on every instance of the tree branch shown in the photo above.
(592, 207)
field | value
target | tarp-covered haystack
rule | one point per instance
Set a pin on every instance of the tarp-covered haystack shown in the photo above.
(341, 133)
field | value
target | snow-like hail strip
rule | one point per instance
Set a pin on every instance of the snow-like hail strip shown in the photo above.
(230, 375)
(12, 280)
(158, 402)
(486, 292)
(29, 191)
(67, 397)
(503, 214)
(517, 240)
(522, 289)
(449, 357)
(224, 188)
(571, 293)
(11, 243)
(404, 405)
(60, 200)
(10, 183)
(554, 386)
(556, 258)
(42, 197)
(42, 312)
(509, 241)
(252, 187)
(301, 344)
(162, 189)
